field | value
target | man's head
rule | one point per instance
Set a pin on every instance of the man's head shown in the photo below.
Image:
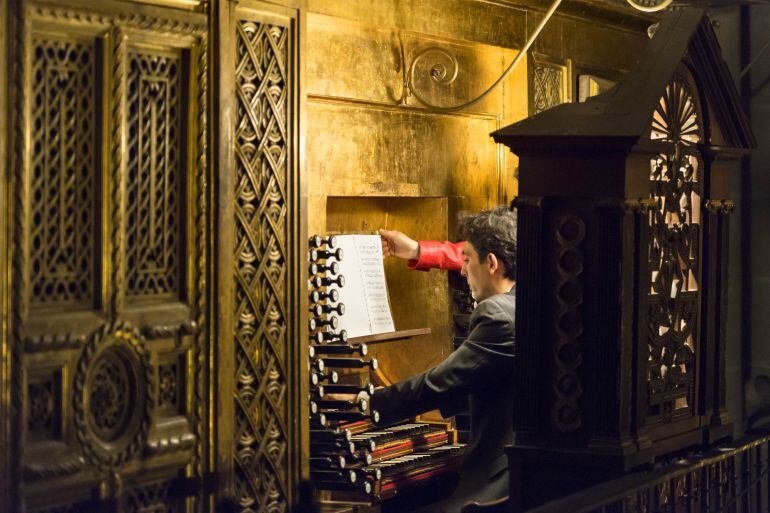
(489, 251)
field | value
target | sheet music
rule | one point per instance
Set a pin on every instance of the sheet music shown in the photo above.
(365, 293)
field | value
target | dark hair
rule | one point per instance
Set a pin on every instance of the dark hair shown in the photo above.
(493, 231)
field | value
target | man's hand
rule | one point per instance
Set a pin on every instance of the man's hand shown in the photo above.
(395, 243)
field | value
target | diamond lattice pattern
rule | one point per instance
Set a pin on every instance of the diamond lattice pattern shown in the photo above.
(261, 466)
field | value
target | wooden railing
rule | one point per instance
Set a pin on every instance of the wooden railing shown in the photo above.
(732, 478)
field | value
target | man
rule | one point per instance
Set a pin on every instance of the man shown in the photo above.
(479, 373)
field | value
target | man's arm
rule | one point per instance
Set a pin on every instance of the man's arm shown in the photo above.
(422, 255)
(479, 363)
(438, 255)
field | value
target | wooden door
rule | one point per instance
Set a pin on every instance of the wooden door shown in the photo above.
(107, 330)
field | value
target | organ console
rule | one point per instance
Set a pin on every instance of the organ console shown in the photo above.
(353, 457)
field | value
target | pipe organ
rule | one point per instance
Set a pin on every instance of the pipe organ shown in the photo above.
(163, 164)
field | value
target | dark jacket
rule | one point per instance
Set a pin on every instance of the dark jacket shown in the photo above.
(478, 374)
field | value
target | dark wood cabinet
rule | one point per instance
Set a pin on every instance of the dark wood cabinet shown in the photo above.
(624, 217)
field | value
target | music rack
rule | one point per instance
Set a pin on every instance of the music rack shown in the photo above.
(393, 336)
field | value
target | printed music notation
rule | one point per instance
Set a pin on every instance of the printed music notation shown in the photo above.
(365, 293)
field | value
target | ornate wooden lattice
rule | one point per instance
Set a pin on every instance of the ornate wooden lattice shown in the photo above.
(261, 470)
(674, 255)
(44, 412)
(62, 172)
(549, 86)
(153, 218)
(169, 387)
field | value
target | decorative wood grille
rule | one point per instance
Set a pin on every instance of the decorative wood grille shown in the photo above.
(62, 172)
(153, 214)
(549, 86)
(169, 387)
(44, 415)
(674, 256)
(261, 469)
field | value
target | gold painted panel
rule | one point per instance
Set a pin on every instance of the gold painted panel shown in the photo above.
(359, 62)
(350, 60)
(485, 22)
(553, 39)
(373, 151)
(418, 299)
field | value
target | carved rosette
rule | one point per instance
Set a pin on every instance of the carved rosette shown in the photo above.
(113, 396)
(570, 232)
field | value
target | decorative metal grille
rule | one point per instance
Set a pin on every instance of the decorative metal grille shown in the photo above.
(548, 81)
(154, 221)
(168, 387)
(261, 238)
(674, 255)
(63, 167)
(43, 413)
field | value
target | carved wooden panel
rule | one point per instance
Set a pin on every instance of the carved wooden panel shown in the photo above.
(154, 222)
(109, 189)
(63, 166)
(112, 396)
(152, 498)
(549, 84)
(262, 139)
(548, 87)
(44, 414)
(169, 387)
(568, 323)
(674, 256)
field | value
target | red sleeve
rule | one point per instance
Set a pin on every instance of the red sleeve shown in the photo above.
(439, 255)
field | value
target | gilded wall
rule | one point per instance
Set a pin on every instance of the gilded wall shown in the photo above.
(376, 157)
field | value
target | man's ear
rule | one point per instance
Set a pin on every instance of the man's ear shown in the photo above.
(492, 263)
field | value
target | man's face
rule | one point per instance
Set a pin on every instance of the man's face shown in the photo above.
(476, 271)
